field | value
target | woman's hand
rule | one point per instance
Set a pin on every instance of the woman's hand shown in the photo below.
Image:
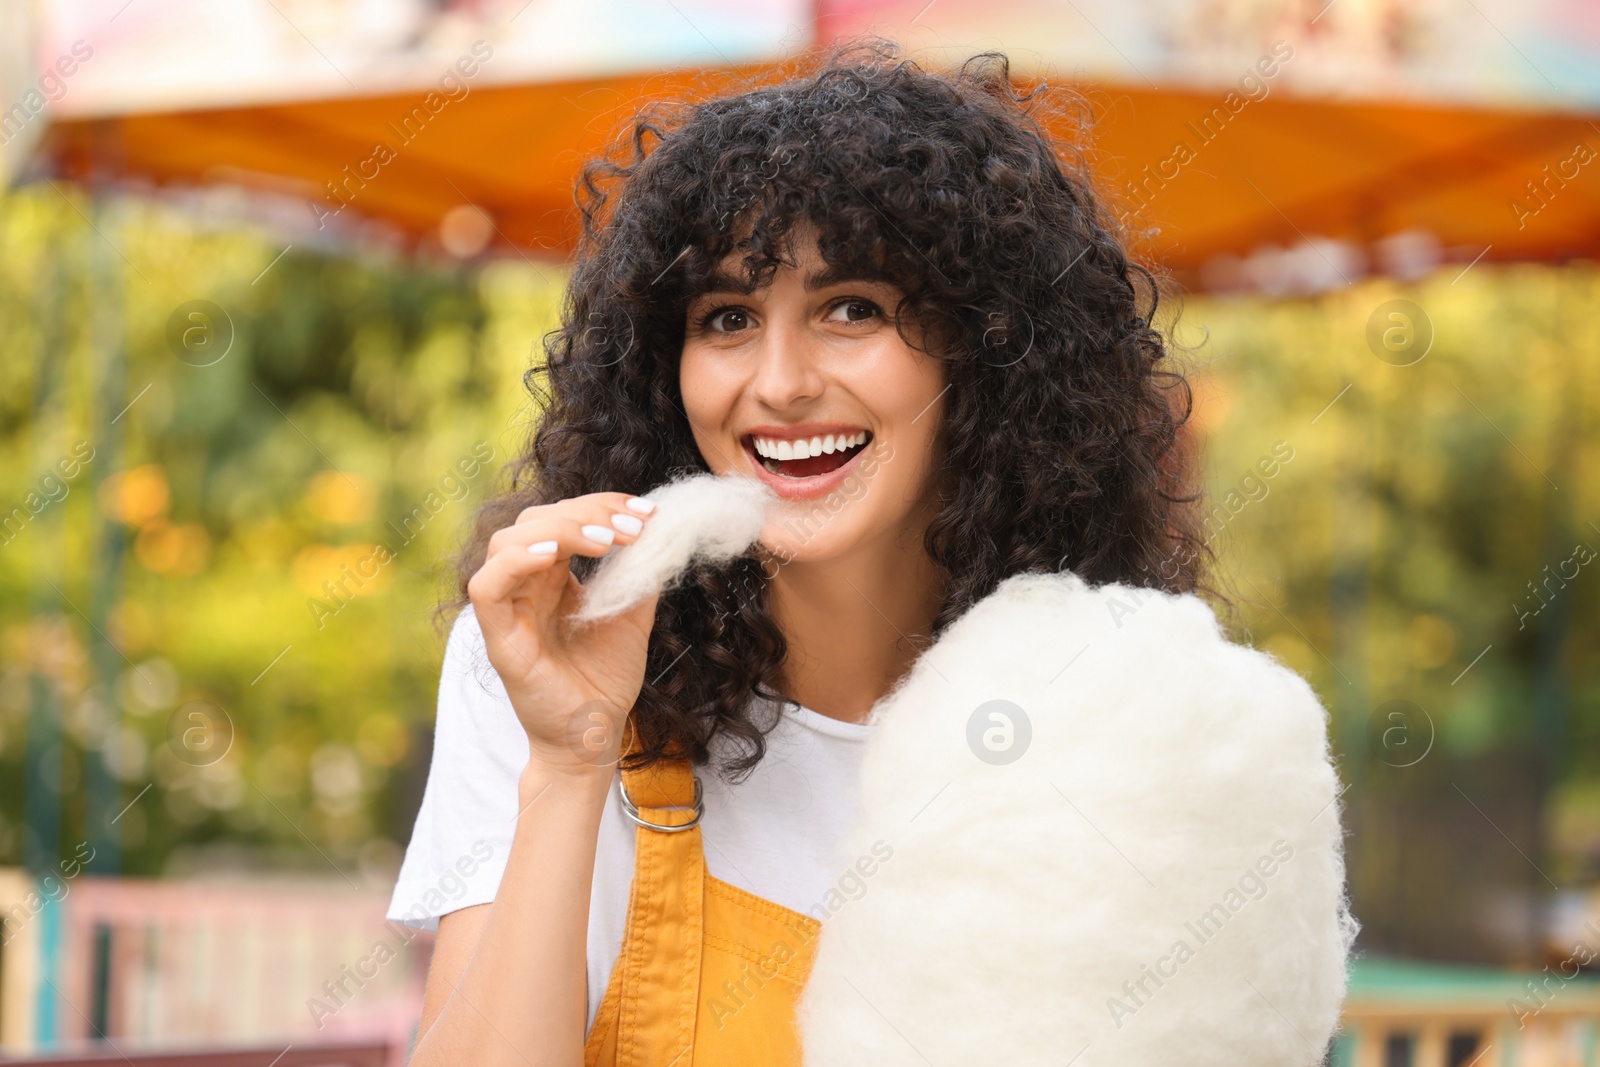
(506, 985)
(571, 688)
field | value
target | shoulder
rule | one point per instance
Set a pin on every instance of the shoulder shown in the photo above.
(476, 728)
(463, 830)
(468, 682)
(465, 653)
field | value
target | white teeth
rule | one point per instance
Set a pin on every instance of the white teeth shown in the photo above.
(805, 448)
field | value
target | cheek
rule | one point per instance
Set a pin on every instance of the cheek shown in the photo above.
(909, 398)
(709, 388)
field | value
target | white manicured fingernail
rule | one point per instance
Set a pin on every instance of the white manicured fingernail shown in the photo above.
(627, 523)
(641, 504)
(543, 548)
(603, 534)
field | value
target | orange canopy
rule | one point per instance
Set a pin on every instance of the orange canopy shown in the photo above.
(1212, 179)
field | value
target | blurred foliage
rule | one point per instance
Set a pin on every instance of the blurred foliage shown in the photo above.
(1387, 555)
(1422, 560)
(354, 410)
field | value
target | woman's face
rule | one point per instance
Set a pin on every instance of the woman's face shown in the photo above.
(807, 385)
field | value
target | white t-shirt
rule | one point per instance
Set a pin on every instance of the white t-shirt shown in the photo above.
(774, 834)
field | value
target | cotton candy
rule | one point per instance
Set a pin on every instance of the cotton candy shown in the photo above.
(1115, 843)
(700, 519)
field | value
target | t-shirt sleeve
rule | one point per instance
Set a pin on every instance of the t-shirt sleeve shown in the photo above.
(462, 837)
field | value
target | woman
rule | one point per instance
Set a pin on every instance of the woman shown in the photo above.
(884, 293)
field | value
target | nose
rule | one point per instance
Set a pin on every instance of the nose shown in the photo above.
(786, 368)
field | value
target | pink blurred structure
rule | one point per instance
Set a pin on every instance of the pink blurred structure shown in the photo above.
(168, 965)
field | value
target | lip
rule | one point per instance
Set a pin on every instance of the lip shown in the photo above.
(802, 488)
(796, 430)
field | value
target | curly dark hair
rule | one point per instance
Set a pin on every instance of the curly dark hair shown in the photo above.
(1061, 444)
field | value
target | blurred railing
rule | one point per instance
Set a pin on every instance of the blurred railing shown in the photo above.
(183, 965)
(311, 1055)
(1409, 1014)
(161, 974)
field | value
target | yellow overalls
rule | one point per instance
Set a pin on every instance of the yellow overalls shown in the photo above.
(709, 974)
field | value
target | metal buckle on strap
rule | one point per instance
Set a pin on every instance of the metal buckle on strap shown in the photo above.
(631, 810)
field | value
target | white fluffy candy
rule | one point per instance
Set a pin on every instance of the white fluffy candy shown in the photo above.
(1157, 881)
(700, 518)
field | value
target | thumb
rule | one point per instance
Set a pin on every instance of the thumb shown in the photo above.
(639, 619)
(643, 614)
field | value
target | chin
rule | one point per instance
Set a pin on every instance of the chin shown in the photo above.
(797, 535)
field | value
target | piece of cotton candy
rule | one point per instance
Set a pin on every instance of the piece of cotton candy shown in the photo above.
(1098, 833)
(700, 519)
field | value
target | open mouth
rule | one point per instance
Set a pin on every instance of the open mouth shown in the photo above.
(807, 457)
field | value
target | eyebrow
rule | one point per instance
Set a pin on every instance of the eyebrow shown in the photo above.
(723, 282)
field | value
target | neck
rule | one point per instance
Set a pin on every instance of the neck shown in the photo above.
(855, 623)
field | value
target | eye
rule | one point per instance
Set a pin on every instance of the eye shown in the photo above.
(726, 320)
(853, 309)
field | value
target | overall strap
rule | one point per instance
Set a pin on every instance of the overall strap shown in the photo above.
(661, 955)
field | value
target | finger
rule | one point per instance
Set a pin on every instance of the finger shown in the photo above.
(616, 503)
(514, 582)
(562, 536)
(497, 618)
(533, 574)
(600, 528)
(524, 568)
(544, 546)
(498, 621)
(643, 614)
(640, 618)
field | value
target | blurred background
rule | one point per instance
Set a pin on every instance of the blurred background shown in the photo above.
(270, 271)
